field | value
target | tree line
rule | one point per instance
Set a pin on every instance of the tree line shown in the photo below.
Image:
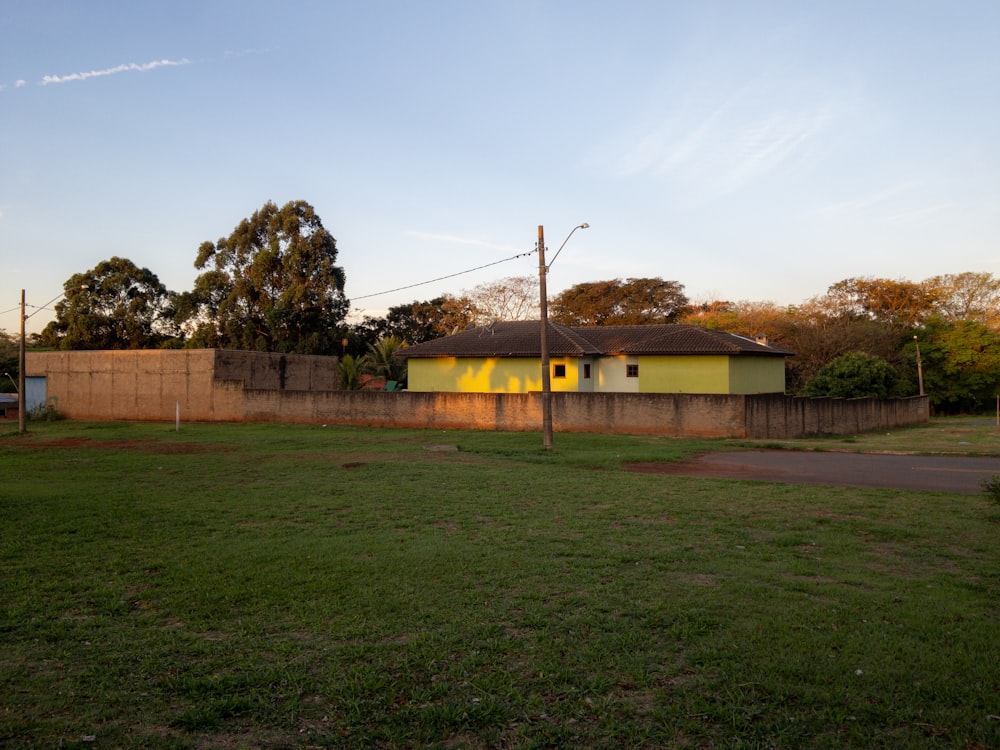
(274, 285)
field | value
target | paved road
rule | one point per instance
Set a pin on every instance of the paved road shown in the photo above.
(937, 473)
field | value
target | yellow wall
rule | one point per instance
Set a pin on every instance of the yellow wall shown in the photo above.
(487, 375)
(657, 374)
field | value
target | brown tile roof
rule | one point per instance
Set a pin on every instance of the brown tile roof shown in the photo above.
(522, 339)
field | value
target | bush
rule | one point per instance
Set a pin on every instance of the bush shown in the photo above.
(991, 487)
(854, 375)
(45, 413)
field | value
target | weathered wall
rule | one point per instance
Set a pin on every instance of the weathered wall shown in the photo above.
(207, 384)
(218, 386)
(688, 415)
(776, 415)
(703, 415)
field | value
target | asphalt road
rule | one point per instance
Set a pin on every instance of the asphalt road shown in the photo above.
(937, 473)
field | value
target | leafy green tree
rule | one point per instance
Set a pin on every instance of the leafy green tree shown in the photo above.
(9, 360)
(115, 305)
(961, 365)
(632, 302)
(272, 285)
(854, 375)
(417, 321)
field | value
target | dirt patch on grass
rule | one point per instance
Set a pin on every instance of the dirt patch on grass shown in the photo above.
(695, 467)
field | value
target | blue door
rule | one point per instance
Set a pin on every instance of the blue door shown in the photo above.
(34, 393)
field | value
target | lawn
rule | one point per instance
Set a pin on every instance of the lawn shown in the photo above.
(303, 586)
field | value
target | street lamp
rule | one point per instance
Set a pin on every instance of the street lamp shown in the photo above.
(920, 368)
(544, 309)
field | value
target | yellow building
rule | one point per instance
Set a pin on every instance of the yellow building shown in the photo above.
(506, 358)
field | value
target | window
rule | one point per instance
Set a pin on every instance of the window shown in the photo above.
(558, 371)
(586, 372)
(631, 371)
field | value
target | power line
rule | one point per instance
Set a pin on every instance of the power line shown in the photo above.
(387, 291)
(449, 276)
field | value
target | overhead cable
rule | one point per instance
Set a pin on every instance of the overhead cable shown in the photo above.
(449, 276)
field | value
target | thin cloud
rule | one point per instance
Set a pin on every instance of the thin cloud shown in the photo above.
(872, 200)
(124, 68)
(455, 240)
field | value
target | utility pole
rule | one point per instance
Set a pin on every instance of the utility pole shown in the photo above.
(544, 308)
(920, 368)
(22, 410)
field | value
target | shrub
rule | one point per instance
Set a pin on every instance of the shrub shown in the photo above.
(854, 375)
(991, 487)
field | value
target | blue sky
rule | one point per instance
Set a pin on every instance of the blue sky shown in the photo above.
(749, 150)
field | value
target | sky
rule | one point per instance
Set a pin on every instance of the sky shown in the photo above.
(757, 151)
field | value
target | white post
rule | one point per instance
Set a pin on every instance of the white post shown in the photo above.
(177, 425)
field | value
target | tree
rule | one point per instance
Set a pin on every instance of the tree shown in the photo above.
(961, 364)
(607, 303)
(9, 361)
(382, 360)
(513, 298)
(744, 318)
(894, 301)
(351, 370)
(854, 375)
(272, 285)
(967, 296)
(115, 305)
(417, 321)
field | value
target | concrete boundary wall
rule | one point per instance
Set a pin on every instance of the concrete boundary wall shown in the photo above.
(224, 386)
(683, 415)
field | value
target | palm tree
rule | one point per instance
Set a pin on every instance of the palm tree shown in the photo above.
(351, 370)
(382, 360)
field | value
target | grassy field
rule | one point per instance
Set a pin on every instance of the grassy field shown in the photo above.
(233, 586)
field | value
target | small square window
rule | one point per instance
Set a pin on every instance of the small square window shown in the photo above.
(631, 371)
(586, 372)
(558, 371)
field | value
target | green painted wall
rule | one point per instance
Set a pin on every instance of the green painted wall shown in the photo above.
(757, 375)
(711, 374)
(684, 374)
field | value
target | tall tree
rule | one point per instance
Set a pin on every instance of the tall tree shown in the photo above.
(417, 321)
(272, 285)
(9, 361)
(897, 302)
(115, 305)
(745, 318)
(967, 296)
(818, 335)
(512, 298)
(961, 365)
(633, 302)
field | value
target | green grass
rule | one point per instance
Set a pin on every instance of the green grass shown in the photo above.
(292, 586)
